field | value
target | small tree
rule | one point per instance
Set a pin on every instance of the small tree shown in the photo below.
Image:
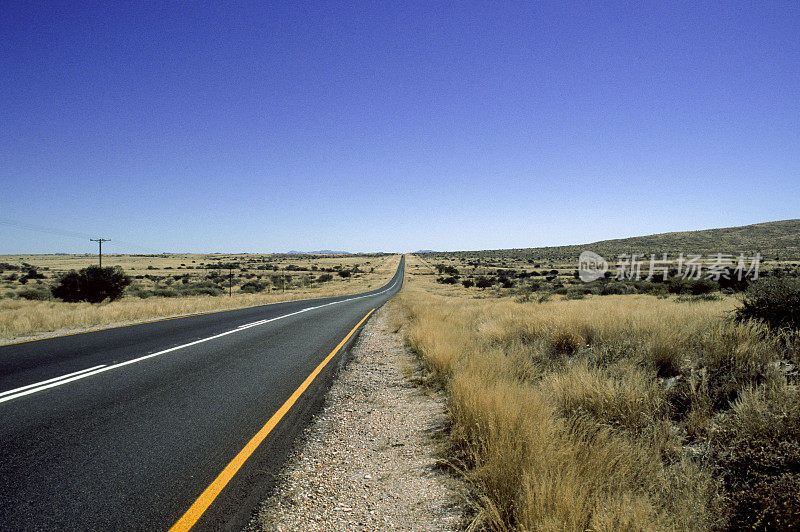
(93, 284)
(773, 300)
(483, 282)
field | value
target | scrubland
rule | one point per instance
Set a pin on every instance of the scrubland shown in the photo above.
(168, 286)
(616, 412)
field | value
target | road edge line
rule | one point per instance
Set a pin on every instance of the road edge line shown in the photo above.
(198, 508)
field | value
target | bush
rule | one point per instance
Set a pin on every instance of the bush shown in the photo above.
(32, 274)
(774, 300)
(505, 281)
(251, 287)
(680, 285)
(166, 292)
(447, 280)
(483, 282)
(34, 294)
(344, 273)
(324, 278)
(201, 289)
(650, 287)
(615, 289)
(468, 283)
(93, 284)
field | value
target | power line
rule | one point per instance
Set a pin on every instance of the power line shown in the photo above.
(72, 234)
(41, 229)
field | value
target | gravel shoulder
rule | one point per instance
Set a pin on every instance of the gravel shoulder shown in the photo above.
(367, 461)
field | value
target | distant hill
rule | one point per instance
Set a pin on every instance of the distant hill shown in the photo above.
(774, 240)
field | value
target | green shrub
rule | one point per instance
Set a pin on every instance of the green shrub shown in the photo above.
(759, 459)
(680, 285)
(141, 293)
(251, 287)
(650, 287)
(468, 283)
(576, 293)
(483, 282)
(200, 289)
(40, 293)
(616, 289)
(166, 292)
(774, 300)
(324, 278)
(505, 282)
(93, 284)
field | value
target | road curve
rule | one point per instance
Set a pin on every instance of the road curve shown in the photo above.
(126, 428)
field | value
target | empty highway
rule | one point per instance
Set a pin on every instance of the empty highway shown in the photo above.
(178, 423)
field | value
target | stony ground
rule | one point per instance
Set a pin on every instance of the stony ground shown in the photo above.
(367, 462)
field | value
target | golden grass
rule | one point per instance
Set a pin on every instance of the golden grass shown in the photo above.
(19, 318)
(195, 266)
(581, 415)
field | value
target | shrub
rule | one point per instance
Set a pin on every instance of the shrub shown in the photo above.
(680, 285)
(483, 282)
(468, 283)
(324, 278)
(141, 293)
(576, 293)
(32, 274)
(251, 287)
(34, 294)
(166, 292)
(759, 457)
(505, 282)
(774, 300)
(93, 284)
(616, 289)
(650, 287)
(730, 280)
(447, 280)
(200, 289)
(344, 273)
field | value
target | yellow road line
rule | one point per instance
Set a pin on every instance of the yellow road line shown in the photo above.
(202, 503)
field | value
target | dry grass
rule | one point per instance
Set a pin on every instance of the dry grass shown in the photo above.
(596, 414)
(20, 318)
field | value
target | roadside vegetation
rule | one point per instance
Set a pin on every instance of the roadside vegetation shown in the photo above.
(40, 294)
(625, 411)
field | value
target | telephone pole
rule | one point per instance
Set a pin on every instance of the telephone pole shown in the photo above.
(100, 244)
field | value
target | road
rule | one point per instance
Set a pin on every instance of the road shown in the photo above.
(130, 427)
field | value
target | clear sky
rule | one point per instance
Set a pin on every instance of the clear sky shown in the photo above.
(272, 126)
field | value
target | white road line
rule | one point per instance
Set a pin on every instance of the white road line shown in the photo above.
(35, 384)
(70, 377)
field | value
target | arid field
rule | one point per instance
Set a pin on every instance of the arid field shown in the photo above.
(171, 285)
(570, 410)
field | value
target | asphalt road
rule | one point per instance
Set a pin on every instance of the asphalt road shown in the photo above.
(131, 443)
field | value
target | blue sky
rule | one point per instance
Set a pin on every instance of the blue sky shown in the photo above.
(259, 126)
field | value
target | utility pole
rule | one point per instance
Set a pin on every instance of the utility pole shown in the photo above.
(100, 244)
(230, 280)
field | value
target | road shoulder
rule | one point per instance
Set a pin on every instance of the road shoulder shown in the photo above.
(368, 460)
